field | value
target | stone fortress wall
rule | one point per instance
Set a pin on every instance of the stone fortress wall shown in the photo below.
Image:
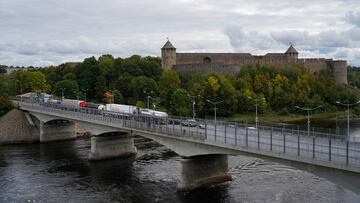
(187, 63)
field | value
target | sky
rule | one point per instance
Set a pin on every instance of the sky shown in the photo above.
(51, 32)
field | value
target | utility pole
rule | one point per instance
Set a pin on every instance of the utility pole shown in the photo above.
(214, 103)
(348, 115)
(62, 93)
(193, 104)
(84, 90)
(148, 97)
(256, 111)
(308, 115)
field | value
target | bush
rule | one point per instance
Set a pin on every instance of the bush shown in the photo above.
(5, 105)
(284, 112)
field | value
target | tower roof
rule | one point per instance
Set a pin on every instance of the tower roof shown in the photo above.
(168, 45)
(291, 50)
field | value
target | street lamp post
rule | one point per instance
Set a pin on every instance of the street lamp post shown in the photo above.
(256, 112)
(348, 115)
(148, 98)
(308, 115)
(62, 93)
(193, 103)
(214, 103)
(84, 90)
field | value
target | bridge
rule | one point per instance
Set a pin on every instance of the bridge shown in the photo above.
(205, 150)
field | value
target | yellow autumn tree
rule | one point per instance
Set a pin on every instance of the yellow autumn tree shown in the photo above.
(108, 97)
(214, 83)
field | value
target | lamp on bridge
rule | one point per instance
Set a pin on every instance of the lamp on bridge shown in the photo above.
(62, 93)
(148, 93)
(256, 111)
(348, 114)
(193, 103)
(308, 115)
(84, 90)
(214, 103)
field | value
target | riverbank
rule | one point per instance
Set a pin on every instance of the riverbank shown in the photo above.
(15, 128)
(273, 117)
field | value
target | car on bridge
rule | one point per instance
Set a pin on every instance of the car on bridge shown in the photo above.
(189, 122)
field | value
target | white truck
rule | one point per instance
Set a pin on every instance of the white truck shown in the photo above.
(121, 108)
(72, 102)
(151, 112)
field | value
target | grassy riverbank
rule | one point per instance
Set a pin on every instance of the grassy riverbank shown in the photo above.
(273, 117)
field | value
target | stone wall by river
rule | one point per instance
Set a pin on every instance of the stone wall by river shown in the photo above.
(14, 128)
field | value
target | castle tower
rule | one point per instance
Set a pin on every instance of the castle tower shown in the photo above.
(291, 53)
(340, 71)
(168, 56)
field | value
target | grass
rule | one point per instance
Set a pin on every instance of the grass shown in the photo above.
(273, 117)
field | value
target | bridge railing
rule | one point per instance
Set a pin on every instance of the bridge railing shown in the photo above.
(264, 138)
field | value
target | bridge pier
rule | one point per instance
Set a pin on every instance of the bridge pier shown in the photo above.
(112, 146)
(56, 131)
(202, 171)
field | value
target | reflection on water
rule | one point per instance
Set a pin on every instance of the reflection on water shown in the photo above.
(60, 172)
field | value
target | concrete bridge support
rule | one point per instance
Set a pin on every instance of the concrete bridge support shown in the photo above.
(57, 130)
(111, 146)
(202, 171)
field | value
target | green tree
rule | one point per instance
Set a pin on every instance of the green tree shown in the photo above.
(180, 102)
(87, 73)
(5, 104)
(35, 81)
(219, 88)
(140, 104)
(70, 88)
(2, 69)
(169, 82)
(139, 86)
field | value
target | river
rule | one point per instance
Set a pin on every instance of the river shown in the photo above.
(60, 172)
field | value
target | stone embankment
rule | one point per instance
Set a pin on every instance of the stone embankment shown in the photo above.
(18, 127)
(15, 128)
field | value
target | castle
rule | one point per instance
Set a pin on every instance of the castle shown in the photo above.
(232, 62)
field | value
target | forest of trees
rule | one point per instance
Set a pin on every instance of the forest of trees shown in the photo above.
(132, 79)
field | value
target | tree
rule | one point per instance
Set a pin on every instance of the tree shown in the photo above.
(169, 82)
(3, 69)
(105, 65)
(140, 104)
(5, 104)
(123, 84)
(139, 86)
(219, 88)
(180, 102)
(87, 73)
(70, 88)
(35, 81)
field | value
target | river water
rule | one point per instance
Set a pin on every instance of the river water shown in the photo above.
(60, 172)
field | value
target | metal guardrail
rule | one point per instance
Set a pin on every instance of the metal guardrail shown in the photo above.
(270, 139)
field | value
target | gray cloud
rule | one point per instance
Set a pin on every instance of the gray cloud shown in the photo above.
(353, 18)
(38, 32)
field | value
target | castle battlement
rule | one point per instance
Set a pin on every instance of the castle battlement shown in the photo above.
(232, 62)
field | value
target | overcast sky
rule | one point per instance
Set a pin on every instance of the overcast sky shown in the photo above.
(50, 32)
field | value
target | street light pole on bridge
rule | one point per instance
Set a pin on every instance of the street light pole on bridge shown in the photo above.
(256, 111)
(308, 115)
(348, 115)
(193, 103)
(214, 103)
(148, 98)
(84, 90)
